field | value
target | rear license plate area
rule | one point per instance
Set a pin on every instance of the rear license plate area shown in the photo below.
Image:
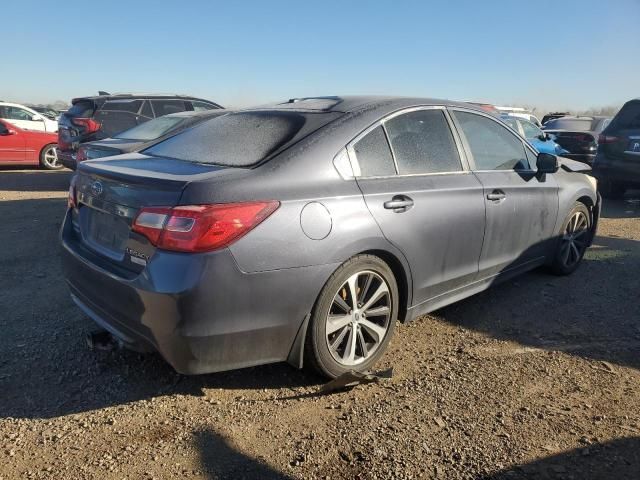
(103, 232)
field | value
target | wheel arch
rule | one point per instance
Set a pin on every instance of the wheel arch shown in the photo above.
(402, 278)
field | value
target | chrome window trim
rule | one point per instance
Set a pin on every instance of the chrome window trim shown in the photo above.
(464, 165)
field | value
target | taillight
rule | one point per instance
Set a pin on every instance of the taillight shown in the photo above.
(607, 138)
(89, 124)
(201, 228)
(71, 198)
(81, 154)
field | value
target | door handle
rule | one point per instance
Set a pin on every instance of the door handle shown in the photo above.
(399, 203)
(496, 196)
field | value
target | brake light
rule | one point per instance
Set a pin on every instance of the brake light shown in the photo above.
(71, 198)
(89, 124)
(81, 154)
(607, 138)
(201, 228)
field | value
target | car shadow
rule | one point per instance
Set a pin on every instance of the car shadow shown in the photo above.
(33, 179)
(619, 458)
(569, 314)
(221, 460)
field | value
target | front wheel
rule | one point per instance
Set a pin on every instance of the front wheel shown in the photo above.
(574, 240)
(354, 317)
(49, 158)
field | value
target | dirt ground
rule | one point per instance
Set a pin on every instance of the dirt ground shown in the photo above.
(536, 378)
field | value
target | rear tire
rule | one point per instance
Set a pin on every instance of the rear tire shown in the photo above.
(575, 233)
(348, 334)
(49, 157)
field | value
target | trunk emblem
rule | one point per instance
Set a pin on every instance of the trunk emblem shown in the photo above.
(96, 188)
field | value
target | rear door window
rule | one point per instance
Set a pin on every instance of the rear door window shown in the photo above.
(374, 155)
(422, 142)
(82, 109)
(492, 146)
(165, 107)
(16, 113)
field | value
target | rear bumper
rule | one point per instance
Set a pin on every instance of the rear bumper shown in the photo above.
(200, 311)
(67, 158)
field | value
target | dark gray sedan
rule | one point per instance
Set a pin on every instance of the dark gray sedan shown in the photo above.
(301, 231)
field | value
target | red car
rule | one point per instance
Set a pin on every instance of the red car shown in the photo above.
(27, 147)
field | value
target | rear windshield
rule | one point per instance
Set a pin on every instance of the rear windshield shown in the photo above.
(82, 108)
(628, 118)
(573, 124)
(152, 129)
(241, 139)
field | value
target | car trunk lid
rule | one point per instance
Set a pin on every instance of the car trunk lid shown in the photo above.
(110, 193)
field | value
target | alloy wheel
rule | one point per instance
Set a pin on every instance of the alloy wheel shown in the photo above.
(359, 318)
(51, 157)
(574, 240)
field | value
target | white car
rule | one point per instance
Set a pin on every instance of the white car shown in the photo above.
(519, 112)
(26, 118)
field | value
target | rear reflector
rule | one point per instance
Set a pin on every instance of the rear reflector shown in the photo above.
(201, 228)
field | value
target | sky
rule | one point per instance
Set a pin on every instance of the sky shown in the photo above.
(555, 54)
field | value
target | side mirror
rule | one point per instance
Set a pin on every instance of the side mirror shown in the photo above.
(547, 163)
(7, 131)
(37, 118)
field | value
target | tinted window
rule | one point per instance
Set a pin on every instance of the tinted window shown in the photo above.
(152, 129)
(530, 130)
(198, 106)
(422, 143)
(374, 155)
(165, 107)
(241, 139)
(493, 147)
(83, 108)
(628, 118)
(132, 106)
(115, 122)
(572, 124)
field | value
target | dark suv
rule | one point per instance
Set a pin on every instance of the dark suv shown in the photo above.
(617, 163)
(103, 116)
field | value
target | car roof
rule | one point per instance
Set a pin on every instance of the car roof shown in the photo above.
(354, 103)
(141, 96)
(198, 113)
(12, 104)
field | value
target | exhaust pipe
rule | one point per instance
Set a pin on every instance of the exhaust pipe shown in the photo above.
(101, 340)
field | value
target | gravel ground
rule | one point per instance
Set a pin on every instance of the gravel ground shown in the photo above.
(536, 378)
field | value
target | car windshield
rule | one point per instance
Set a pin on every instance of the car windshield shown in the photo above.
(152, 129)
(242, 139)
(573, 124)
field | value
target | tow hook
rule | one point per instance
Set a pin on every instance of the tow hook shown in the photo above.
(101, 340)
